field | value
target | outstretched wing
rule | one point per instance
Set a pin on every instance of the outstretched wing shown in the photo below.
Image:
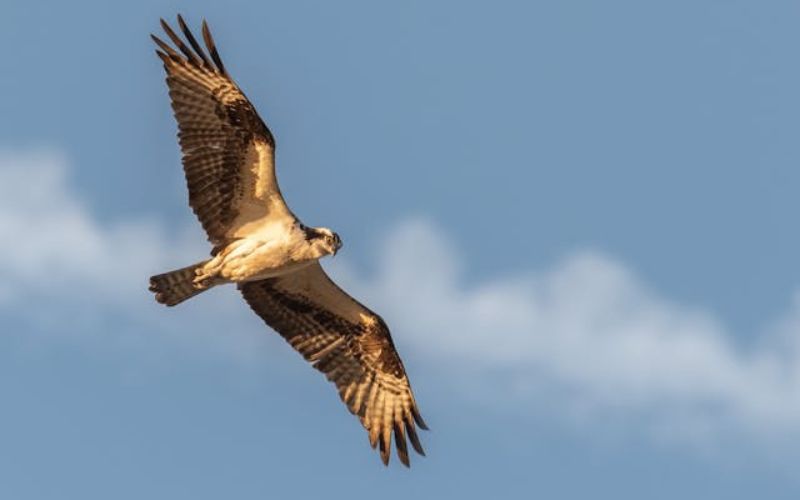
(228, 151)
(350, 344)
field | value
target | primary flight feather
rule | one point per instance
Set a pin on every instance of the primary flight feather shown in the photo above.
(259, 244)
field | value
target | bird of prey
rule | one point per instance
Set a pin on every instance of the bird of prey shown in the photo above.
(272, 257)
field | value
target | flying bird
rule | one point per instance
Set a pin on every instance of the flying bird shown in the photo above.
(271, 256)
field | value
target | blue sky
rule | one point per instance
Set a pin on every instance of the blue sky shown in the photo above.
(577, 217)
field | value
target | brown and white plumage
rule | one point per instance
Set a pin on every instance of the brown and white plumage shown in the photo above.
(258, 243)
(228, 151)
(347, 342)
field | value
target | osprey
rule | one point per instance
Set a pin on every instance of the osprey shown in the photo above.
(272, 257)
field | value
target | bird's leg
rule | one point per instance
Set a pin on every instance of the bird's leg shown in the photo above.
(206, 274)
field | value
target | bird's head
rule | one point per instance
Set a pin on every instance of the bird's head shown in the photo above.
(323, 240)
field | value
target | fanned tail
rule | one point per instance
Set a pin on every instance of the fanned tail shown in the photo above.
(174, 287)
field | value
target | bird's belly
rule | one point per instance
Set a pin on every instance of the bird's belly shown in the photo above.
(257, 260)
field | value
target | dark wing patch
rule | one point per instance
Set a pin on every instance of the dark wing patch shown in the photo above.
(228, 151)
(351, 345)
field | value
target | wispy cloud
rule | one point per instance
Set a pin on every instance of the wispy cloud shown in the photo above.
(66, 273)
(587, 332)
(53, 244)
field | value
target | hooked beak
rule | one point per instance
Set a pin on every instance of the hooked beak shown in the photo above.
(337, 245)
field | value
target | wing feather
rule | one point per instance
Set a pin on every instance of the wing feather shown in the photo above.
(351, 345)
(228, 151)
(212, 48)
(193, 42)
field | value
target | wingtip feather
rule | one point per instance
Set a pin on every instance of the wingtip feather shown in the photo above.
(385, 446)
(418, 418)
(413, 437)
(373, 437)
(400, 443)
(193, 42)
(212, 48)
(190, 56)
(164, 46)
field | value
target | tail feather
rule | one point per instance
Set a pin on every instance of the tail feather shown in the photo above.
(174, 287)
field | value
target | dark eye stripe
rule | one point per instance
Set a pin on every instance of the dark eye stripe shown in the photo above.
(311, 233)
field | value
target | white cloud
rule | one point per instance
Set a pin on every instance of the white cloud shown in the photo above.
(590, 331)
(53, 244)
(65, 272)
(587, 332)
